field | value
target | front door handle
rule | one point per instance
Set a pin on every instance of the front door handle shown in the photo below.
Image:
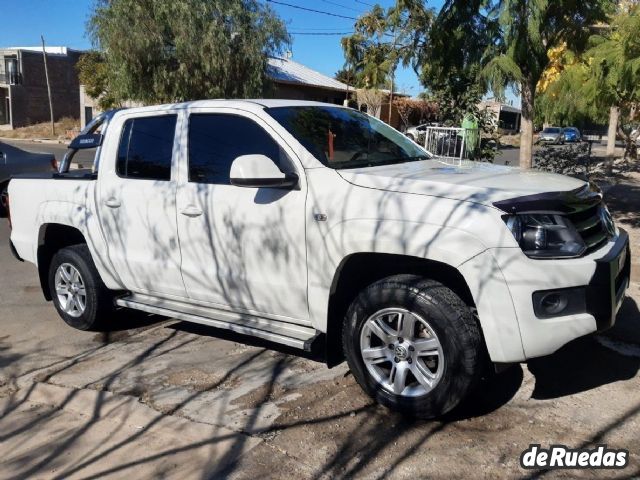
(191, 211)
(112, 203)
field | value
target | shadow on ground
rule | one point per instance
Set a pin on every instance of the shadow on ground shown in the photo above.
(586, 363)
(329, 429)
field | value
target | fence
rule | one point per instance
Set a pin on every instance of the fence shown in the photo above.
(452, 143)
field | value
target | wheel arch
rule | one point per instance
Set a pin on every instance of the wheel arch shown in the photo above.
(52, 237)
(359, 270)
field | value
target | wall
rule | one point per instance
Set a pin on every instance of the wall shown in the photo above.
(30, 101)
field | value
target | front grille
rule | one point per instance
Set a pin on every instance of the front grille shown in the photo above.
(588, 222)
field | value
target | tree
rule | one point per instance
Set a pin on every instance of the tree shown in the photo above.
(346, 75)
(614, 81)
(405, 107)
(383, 38)
(93, 73)
(449, 64)
(528, 29)
(604, 82)
(175, 50)
(372, 99)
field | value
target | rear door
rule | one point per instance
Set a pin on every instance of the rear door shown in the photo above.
(137, 202)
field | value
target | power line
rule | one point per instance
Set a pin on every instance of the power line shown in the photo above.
(364, 3)
(340, 5)
(311, 10)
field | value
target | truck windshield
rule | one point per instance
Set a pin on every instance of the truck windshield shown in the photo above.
(345, 138)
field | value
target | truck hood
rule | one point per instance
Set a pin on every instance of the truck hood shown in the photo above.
(476, 182)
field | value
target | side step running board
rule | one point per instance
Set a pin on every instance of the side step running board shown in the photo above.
(292, 335)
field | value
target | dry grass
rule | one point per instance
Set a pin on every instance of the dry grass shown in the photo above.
(510, 140)
(43, 130)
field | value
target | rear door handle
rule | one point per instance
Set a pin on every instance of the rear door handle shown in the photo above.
(112, 203)
(191, 211)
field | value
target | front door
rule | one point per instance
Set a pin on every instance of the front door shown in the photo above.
(137, 203)
(241, 247)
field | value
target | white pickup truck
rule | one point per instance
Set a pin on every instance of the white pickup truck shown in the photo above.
(316, 225)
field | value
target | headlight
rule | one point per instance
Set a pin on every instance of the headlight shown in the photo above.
(545, 235)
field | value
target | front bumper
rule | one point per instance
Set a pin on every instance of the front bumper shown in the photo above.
(604, 274)
(609, 282)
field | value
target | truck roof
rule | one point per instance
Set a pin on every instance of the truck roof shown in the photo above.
(249, 104)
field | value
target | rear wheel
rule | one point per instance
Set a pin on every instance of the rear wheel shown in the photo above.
(79, 295)
(413, 345)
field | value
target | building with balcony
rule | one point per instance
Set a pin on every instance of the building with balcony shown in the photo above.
(23, 86)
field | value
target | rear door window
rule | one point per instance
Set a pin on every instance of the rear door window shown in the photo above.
(146, 148)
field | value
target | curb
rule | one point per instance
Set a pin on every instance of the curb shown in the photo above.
(33, 140)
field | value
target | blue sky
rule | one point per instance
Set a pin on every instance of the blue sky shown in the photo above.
(62, 22)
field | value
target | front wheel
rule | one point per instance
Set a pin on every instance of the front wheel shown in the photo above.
(79, 295)
(413, 345)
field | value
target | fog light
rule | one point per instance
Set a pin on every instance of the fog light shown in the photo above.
(556, 303)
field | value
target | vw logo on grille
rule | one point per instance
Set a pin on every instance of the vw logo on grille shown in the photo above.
(607, 221)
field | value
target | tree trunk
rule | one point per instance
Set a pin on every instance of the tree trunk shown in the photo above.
(526, 137)
(614, 113)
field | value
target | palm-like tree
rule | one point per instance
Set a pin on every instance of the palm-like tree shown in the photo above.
(528, 29)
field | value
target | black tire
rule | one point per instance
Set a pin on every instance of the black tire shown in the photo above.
(99, 299)
(3, 192)
(451, 320)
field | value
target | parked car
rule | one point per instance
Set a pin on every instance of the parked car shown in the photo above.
(571, 134)
(322, 228)
(551, 135)
(418, 132)
(15, 161)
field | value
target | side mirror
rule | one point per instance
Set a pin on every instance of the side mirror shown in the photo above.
(3, 157)
(259, 171)
(86, 141)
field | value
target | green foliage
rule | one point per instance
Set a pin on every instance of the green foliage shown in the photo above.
(457, 40)
(614, 60)
(528, 29)
(606, 75)
(93, 73)
(175, 50)
(346, 75)
(384, 38)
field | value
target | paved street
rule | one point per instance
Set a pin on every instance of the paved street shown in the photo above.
(84, 158)
(162, 398)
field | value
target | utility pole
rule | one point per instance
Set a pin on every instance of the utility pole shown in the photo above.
(46, 74)
(393, 66)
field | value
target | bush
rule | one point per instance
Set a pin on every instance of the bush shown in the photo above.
(570, 160)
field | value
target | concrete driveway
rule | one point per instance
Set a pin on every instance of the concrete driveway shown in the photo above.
(164, 399)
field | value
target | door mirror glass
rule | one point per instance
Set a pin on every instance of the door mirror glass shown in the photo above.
(86, 141)
(259, 171)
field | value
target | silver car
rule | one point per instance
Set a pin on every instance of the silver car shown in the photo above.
(553, 135)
